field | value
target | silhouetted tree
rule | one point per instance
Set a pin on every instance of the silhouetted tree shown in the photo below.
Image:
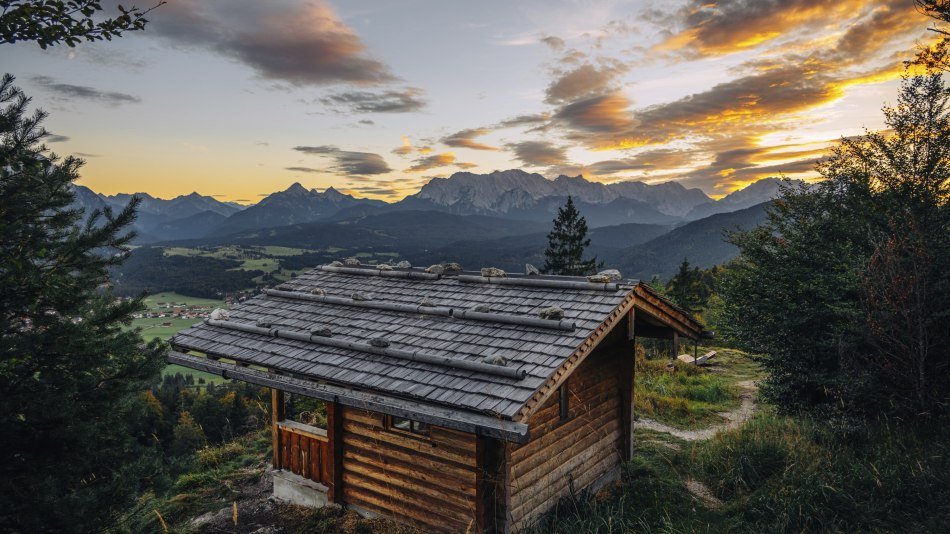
(69, 371)
(52, 22)
(567, 242)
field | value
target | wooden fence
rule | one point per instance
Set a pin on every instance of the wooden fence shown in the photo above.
(305, 451)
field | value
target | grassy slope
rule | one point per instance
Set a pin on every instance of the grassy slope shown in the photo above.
(689, 397)
(773, 474)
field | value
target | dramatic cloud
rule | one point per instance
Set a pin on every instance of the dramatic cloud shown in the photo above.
(739, 162)
(302, 169)
(584, 81)
(404, 101)
(347, 162)
(432, 162)
(538, 153)
(54, 138)
(726, 26)
(303, 44)
(68, 91)
(466, 139)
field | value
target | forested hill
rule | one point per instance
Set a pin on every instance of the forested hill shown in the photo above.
(702, 242)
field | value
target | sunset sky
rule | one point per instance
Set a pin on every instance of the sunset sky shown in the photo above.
(239, 99)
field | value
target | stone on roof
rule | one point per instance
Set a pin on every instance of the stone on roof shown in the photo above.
(442, 349)
(493, 272)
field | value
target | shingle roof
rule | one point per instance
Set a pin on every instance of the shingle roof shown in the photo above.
(534, 350)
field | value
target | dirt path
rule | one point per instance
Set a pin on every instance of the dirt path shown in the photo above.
(733, 418)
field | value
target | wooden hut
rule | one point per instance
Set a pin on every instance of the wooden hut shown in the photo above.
(452, 403)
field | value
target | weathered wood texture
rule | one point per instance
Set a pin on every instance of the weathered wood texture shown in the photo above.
(306, 454)
(566, 456)
(427, 482)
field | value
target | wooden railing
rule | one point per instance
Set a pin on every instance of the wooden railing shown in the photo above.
(305, 451)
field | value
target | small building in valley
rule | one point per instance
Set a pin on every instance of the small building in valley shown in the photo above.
(456, 401)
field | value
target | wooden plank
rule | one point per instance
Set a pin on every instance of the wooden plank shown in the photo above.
(406, 442)
(541, 502)
(444, 478)
(277, 415)
(626, 393)
(390, 477)
(335, 446)
(357, 443)
(404, 501)
(285, 449)
(294, 452)
(386, 506)
(310, 432)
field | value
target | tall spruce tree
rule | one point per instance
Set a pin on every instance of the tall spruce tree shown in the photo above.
(69, 371)
(845, 289)
(567, 242)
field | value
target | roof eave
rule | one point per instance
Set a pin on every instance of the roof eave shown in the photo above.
(479, 424)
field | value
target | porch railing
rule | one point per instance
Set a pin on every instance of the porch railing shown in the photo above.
(305, 451)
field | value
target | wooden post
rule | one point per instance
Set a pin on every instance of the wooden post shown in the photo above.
(627, 365)
(676, 345)
(335, 438)
(277, 415)
(491, 501)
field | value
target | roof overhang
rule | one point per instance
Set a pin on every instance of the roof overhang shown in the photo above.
(479, 424)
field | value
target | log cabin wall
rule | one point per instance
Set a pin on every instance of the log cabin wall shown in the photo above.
(429, 482)
(578, 451)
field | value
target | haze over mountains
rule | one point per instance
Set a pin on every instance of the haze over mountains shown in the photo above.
(501, 217)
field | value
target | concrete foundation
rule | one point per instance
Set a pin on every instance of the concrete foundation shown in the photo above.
(298, 490)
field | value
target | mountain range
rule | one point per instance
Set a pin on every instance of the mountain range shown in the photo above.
(513, 195)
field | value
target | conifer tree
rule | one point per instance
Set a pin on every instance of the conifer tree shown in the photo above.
(567, 242)
(69, 371)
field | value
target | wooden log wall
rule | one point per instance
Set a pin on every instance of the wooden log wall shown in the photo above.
(576, 452)
(428, 482)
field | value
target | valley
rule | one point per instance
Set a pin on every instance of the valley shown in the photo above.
(215, 249)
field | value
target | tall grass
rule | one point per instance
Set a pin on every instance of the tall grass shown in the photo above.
(788, 474)
(684, 395)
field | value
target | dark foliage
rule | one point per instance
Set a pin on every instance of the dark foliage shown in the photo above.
(566, 244)
(846, 287)
(69, 373)
(149, 270)
(69, 22)
(691, 288)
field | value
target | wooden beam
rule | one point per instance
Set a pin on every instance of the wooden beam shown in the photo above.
(491, 502)
(483, 425)
(277, 415)
(335, 435)
(627, 355)
(676, 345)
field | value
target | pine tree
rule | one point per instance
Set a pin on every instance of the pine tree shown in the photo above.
(566, 244)
(691, 287)
(845, 289)
(69, 371)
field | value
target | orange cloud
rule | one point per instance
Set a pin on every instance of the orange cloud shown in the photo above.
(432, 162)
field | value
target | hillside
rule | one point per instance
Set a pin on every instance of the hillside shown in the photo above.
(702, 242)
(511, 253)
